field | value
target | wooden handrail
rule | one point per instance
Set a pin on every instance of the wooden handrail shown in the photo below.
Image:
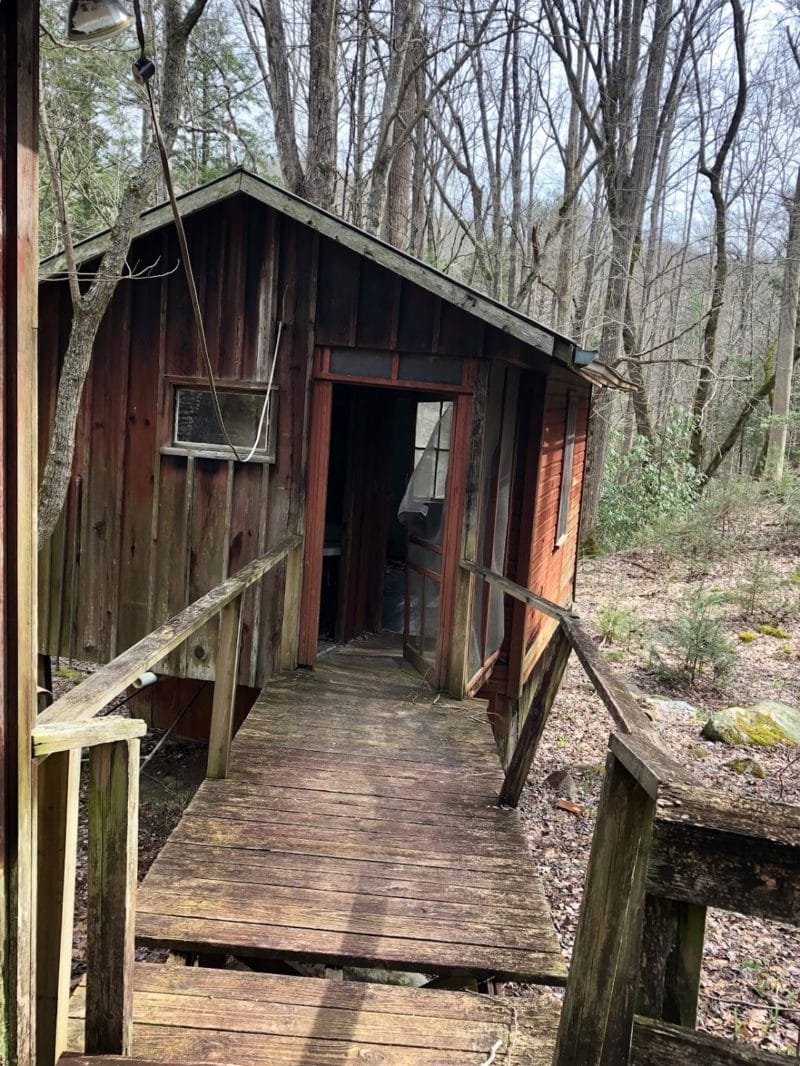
(97, 691)
(664, 849)
(518, 592)
(67, 736)
(71, 723)
(612, 689)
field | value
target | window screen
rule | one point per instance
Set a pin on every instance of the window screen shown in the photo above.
(196, 426)
(566, 472)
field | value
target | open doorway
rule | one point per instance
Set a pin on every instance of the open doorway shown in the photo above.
(385, 502)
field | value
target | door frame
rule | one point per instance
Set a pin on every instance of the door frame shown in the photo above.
(316, 502)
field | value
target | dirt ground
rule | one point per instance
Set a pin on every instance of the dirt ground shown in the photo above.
(751, 969)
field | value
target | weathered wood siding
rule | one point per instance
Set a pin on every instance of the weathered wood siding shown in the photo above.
(145, 532)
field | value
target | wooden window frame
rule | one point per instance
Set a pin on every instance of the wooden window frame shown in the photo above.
(562, 523)
(173, 383)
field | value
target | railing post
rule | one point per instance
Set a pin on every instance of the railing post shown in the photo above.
(672, 956)
(290, 626)
(219, 740)
(111, 889)
(597, 1016)
(57, 845)
(541, 691)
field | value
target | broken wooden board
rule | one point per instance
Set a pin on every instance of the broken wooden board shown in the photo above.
(194, 1015)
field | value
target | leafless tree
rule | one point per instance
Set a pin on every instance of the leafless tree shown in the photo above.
(89, 306)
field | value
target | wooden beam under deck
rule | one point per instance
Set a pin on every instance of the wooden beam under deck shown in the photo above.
(359, 825)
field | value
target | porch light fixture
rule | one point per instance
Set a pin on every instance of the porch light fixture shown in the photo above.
(93, 20)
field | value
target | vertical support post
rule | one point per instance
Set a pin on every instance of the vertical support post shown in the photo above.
(316, 496)
(290, 628)
(464, 596)
(57, 845)
(19, 182)
(541, 690)
(672, 956)
(111, 890)
(597, 1016)
(219, 740)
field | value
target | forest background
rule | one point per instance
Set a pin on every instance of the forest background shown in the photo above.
(627, 171)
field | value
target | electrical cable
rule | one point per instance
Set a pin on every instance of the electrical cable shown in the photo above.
(143, 70)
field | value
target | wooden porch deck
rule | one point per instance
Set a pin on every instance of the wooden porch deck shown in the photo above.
(358, 826)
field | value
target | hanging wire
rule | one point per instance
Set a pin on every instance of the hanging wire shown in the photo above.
(143, 70)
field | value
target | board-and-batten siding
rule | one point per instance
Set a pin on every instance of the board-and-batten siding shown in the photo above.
(145, 533)
(552, 565)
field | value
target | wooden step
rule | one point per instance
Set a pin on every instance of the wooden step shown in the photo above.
(196, 1015)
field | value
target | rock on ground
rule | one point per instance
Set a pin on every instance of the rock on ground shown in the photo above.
(765, 724)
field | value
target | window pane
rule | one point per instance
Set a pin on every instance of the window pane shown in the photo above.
(431, 626)
(196, 422)
(428, 415)
(363, 364)
(441, 368)
(425, 557)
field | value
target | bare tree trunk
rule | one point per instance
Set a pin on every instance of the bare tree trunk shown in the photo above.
(762, 393)
(714, 174)
(277, 82)
(319, 185)
(406, 13)
(785, 351)
(88, 312)
(396, 217)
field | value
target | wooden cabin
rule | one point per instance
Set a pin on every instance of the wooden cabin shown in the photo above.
(405, 423)
(354, 820)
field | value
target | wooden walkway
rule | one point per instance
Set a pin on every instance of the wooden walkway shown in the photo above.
(358, 826)
(194, 1015)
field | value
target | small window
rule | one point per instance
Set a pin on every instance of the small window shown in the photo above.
(441, 369)
(566, 471)
(432, 448)
(361, 363)
(247, 418)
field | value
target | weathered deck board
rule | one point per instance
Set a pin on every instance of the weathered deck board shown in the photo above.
(359, 825)
(186, 1014)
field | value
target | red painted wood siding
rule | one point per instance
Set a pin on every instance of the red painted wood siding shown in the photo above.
(551, 571)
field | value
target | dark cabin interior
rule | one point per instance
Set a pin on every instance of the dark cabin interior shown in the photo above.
(380, 573)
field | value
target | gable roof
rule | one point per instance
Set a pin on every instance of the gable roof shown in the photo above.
(241, 181)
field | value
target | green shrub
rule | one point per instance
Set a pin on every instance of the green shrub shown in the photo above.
(757, 594)
(645, 482)
(712, 525)
(695, 643)
(617, 625)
